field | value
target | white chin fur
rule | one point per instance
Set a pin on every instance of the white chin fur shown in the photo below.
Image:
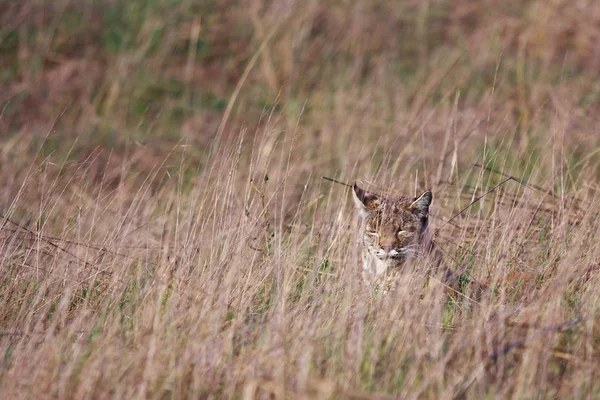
(381, 266)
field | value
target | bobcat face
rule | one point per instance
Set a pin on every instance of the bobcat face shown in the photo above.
(392, 229)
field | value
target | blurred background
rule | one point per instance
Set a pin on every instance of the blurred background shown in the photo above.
(166, 234)
(140, 77)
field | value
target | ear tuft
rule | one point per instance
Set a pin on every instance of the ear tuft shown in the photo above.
(420, 205)
(364, 200)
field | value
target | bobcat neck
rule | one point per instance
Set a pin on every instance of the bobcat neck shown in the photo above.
(372, 267)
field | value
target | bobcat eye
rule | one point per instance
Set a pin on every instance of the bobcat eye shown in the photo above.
(402, 233)
(371, 232)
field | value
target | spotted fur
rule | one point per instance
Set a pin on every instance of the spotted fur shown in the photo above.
(392, 229)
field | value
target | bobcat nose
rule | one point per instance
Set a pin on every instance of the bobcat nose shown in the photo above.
(384, 252)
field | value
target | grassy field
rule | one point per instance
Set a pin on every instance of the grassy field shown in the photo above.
(166, 232)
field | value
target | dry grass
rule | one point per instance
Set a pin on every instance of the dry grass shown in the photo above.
(166, 233)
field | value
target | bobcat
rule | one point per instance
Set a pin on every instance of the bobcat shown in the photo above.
(393, 229)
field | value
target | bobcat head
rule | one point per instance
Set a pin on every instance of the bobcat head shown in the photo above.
(392, 229)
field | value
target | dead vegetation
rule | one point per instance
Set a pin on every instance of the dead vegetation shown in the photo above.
(166, 234)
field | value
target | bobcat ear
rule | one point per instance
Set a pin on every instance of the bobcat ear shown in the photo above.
(420, 205)
(364, 200)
